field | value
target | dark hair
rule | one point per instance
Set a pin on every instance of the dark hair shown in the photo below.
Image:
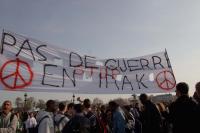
(182, 87)
(61, 106)
(70, 105)
(103, 107)
(143, 97)
(87, 103)
(78, 108)
(197, 86)
(49, 103)
(113, 105)
(127, 107)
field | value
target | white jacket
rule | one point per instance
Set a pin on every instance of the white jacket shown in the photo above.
(31, 122)
(47, 124)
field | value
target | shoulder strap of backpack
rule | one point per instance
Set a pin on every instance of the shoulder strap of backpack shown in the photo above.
(11, 117)
(61, 119)
(42, 120)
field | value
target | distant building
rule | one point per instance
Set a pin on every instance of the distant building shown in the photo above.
(162, 98)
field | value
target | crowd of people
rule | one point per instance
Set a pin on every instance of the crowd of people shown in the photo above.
(180, 116)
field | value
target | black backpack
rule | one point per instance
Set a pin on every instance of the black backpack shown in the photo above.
(35, 129)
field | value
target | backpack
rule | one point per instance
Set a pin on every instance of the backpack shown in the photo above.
(58, 123)
(35, 129)
(95, 124)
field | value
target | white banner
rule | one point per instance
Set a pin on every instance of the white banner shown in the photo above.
(30, 65)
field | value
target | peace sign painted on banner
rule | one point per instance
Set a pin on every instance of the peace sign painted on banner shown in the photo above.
(19, 81)
(166, 80)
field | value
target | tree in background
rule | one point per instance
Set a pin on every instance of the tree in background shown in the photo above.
(41, 104)
(19, 102)
(98, 102)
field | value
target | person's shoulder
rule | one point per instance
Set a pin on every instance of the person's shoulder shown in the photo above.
(90, 113)
(43, 115)
(85, 120)
(66, 118)
(13, 117)
(192, 101)
(58, 116)
(117, 113)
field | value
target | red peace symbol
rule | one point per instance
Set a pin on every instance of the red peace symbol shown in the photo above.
(166, 80)
(16, 75)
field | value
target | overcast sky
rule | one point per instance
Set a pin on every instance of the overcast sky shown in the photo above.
(111, 28)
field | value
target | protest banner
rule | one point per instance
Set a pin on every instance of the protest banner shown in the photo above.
(31, 65)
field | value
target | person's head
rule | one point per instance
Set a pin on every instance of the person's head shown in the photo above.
(7, 106)
(127, 107)
(78, 108)
(31, 115)
(62, 107)
(87, 103)
(197, 86)
(51, 106)
(182, 88)
(144, 98)
(94, 108)
(109, 114)
(137, 105)
(103, 108)
(70, 108)
(113, 105)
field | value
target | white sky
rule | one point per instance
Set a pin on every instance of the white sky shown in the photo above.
(111, 28)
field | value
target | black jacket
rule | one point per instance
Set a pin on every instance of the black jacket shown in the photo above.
(77, 124)
(183, 115)
(151, 119)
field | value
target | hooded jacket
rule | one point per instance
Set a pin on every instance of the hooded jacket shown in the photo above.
(47, 124)
(7, 125)
(61, 120)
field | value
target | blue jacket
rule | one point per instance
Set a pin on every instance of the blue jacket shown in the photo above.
(118, 121)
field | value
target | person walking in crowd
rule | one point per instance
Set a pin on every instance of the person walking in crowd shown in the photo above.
(19, 123)
(197, 93)
(109, 120)
(135, 110)
(31, 123)
(45, 118)
(151, 119)
(78, 123)
(104, 119)
(165, 126)
(198, 100)
(118, 118)
(95, 125)
(70, 110)
(183, 112)
(60, 119)
(8, 121)
(129, 118)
